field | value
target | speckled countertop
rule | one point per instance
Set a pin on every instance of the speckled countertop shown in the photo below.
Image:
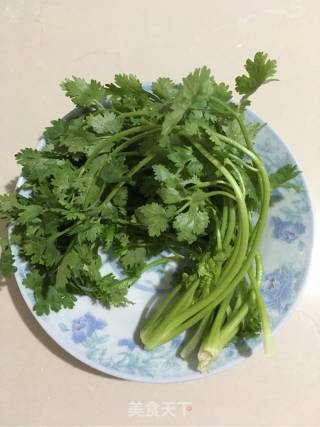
(41, 42)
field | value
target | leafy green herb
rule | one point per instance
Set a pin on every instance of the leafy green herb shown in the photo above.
(283, 175)
(138, 174)
(260, 71)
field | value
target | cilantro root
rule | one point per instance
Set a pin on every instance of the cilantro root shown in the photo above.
(150, 178)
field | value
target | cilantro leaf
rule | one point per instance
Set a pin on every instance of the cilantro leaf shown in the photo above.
(128, 83)
(105, 123)
(164, 88)
(57, 129)
(170, 195)
(189, 225)
(7, 267)
(36, 166)
(260, 71)
(184, 156)
(284, 174)
(47, 297)
(114, 170)
(93, 232)
(42, 250)
(155, 217)
(198, 85)
(8, 205)
(110, 212)
(162, 174)
(70, 264)
(30, 213)
(85, 94)
(134, 258)
(112, 291)
(121, 197)
(233, 131)
(222, 92)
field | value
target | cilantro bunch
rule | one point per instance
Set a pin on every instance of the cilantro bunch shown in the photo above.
(137, 174)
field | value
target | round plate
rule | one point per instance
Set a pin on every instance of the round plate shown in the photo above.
(105, 338)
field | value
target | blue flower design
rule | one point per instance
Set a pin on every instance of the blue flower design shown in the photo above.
(287, 231)
(125, 342)
(278, 289)
(85, 326)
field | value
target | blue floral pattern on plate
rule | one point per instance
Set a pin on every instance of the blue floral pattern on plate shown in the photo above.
(85, 326)
(288, 231)
(278, 289)
(106, 339)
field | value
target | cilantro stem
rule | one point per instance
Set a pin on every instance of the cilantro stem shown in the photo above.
(255, 283)
(194, 341)
(234, 321)
(203, 307)
(163, 333)
(219, 294)
(216, 182)
(239, 119)
(238, 175)
(220, 193)
(160, 261)
(244, 131)
(133, 139)
(231, 226)
(243, 215)
(241, 162)
(209, 344)
(65, 231)
(114, 138)
(225, 216)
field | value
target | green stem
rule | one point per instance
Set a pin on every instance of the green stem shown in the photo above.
(234, 320)
(218, 295)
(149, 327)
(244, 131)
(160, 261)
(163, 332)
(225, 217)
(239, 119)
(238, 175)
(194, 341)
(207, 196)
(206, 305)
(220, 193)
(241, 162)
(211, 183)
(229, 265)
(214, 332)
(255, 283)
(65, 231)
(243, 216)
(114, 138)
(231, 226)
